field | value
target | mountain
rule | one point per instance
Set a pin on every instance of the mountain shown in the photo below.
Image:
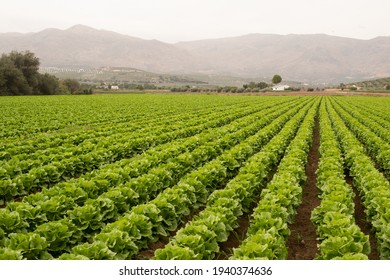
(316, 57)
(308, 58)
(84, 46)
(377, 84)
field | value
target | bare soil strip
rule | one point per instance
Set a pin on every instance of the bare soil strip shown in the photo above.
(148, 253)
(361, 221)
(302, 242)
(238, 235)
(235, 238)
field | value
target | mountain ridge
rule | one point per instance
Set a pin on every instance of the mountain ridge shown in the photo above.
(307, 57)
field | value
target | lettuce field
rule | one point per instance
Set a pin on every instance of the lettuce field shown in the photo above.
(147, 176)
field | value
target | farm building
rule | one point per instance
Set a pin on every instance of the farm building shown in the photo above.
(280, 87)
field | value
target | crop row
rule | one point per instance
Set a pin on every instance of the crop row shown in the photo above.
(339, 236)
(46, 144)
(24, 118)
(164, 213)
(126, 146)
(186, 175)
(165, 166)
(268, 231)
(377, 148)
(373, 187)
(376, 109)
(25, 162)
(376, 123)
(207, 171)
(199, 238)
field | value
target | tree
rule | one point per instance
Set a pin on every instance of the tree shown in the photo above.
(12, 80)
(48, 84)
(262, 85)
(252, 85)
(141, 87)
(29, 65)
(19, 75)
(276, 79)
(72, 84)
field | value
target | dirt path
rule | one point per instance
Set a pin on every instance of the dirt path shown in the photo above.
(239, 234)
(235, 238)
(302, 242)
(361, 221)
(148, 253)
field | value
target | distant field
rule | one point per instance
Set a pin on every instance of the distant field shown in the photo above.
(149, 176)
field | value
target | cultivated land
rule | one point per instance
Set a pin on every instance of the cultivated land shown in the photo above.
(143, 176)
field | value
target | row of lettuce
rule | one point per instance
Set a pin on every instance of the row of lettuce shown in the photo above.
(372, 185)
(221, 171)
(201, 236)
(23, 117)
(339, 237)
(334, 218)
(24, 174)
(72, 211)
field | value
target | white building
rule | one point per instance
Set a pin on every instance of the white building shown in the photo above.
(280, 87)
(114, 87)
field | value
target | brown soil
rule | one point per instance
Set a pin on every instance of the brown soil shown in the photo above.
(329, 92)
(302, 242)
(238, 235)
(361, 221)
(315, 93)
(148, 253)
(235, 238)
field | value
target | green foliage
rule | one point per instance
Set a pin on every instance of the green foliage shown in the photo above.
(118, 241)
(109, 175)
(339, 236)
(371, 184)
(255, 86)
(58, 234)
(219, 218)
(94, 251)
(276, 79)
(19, 75)
(172, 252)
(10, 254)
(268, 232)
(72, 85)
(12, 80)
(382, 84)
(47, 84)
(31, 245)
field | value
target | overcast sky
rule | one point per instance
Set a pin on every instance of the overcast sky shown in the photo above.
(184, 20)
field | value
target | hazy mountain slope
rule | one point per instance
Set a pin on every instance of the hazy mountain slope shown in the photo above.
(311, 58)
(297, 57)
(85, 46)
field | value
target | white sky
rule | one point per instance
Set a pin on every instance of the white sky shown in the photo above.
(184, 20)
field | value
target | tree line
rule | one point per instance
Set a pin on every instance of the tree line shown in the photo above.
(19, 75)
(250, 87)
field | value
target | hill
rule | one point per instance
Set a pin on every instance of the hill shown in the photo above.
(315, 58)
(376, 84)
(310, 58)
(83, 46)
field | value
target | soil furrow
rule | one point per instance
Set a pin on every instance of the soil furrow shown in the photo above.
(302, 242)
(361, 220)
